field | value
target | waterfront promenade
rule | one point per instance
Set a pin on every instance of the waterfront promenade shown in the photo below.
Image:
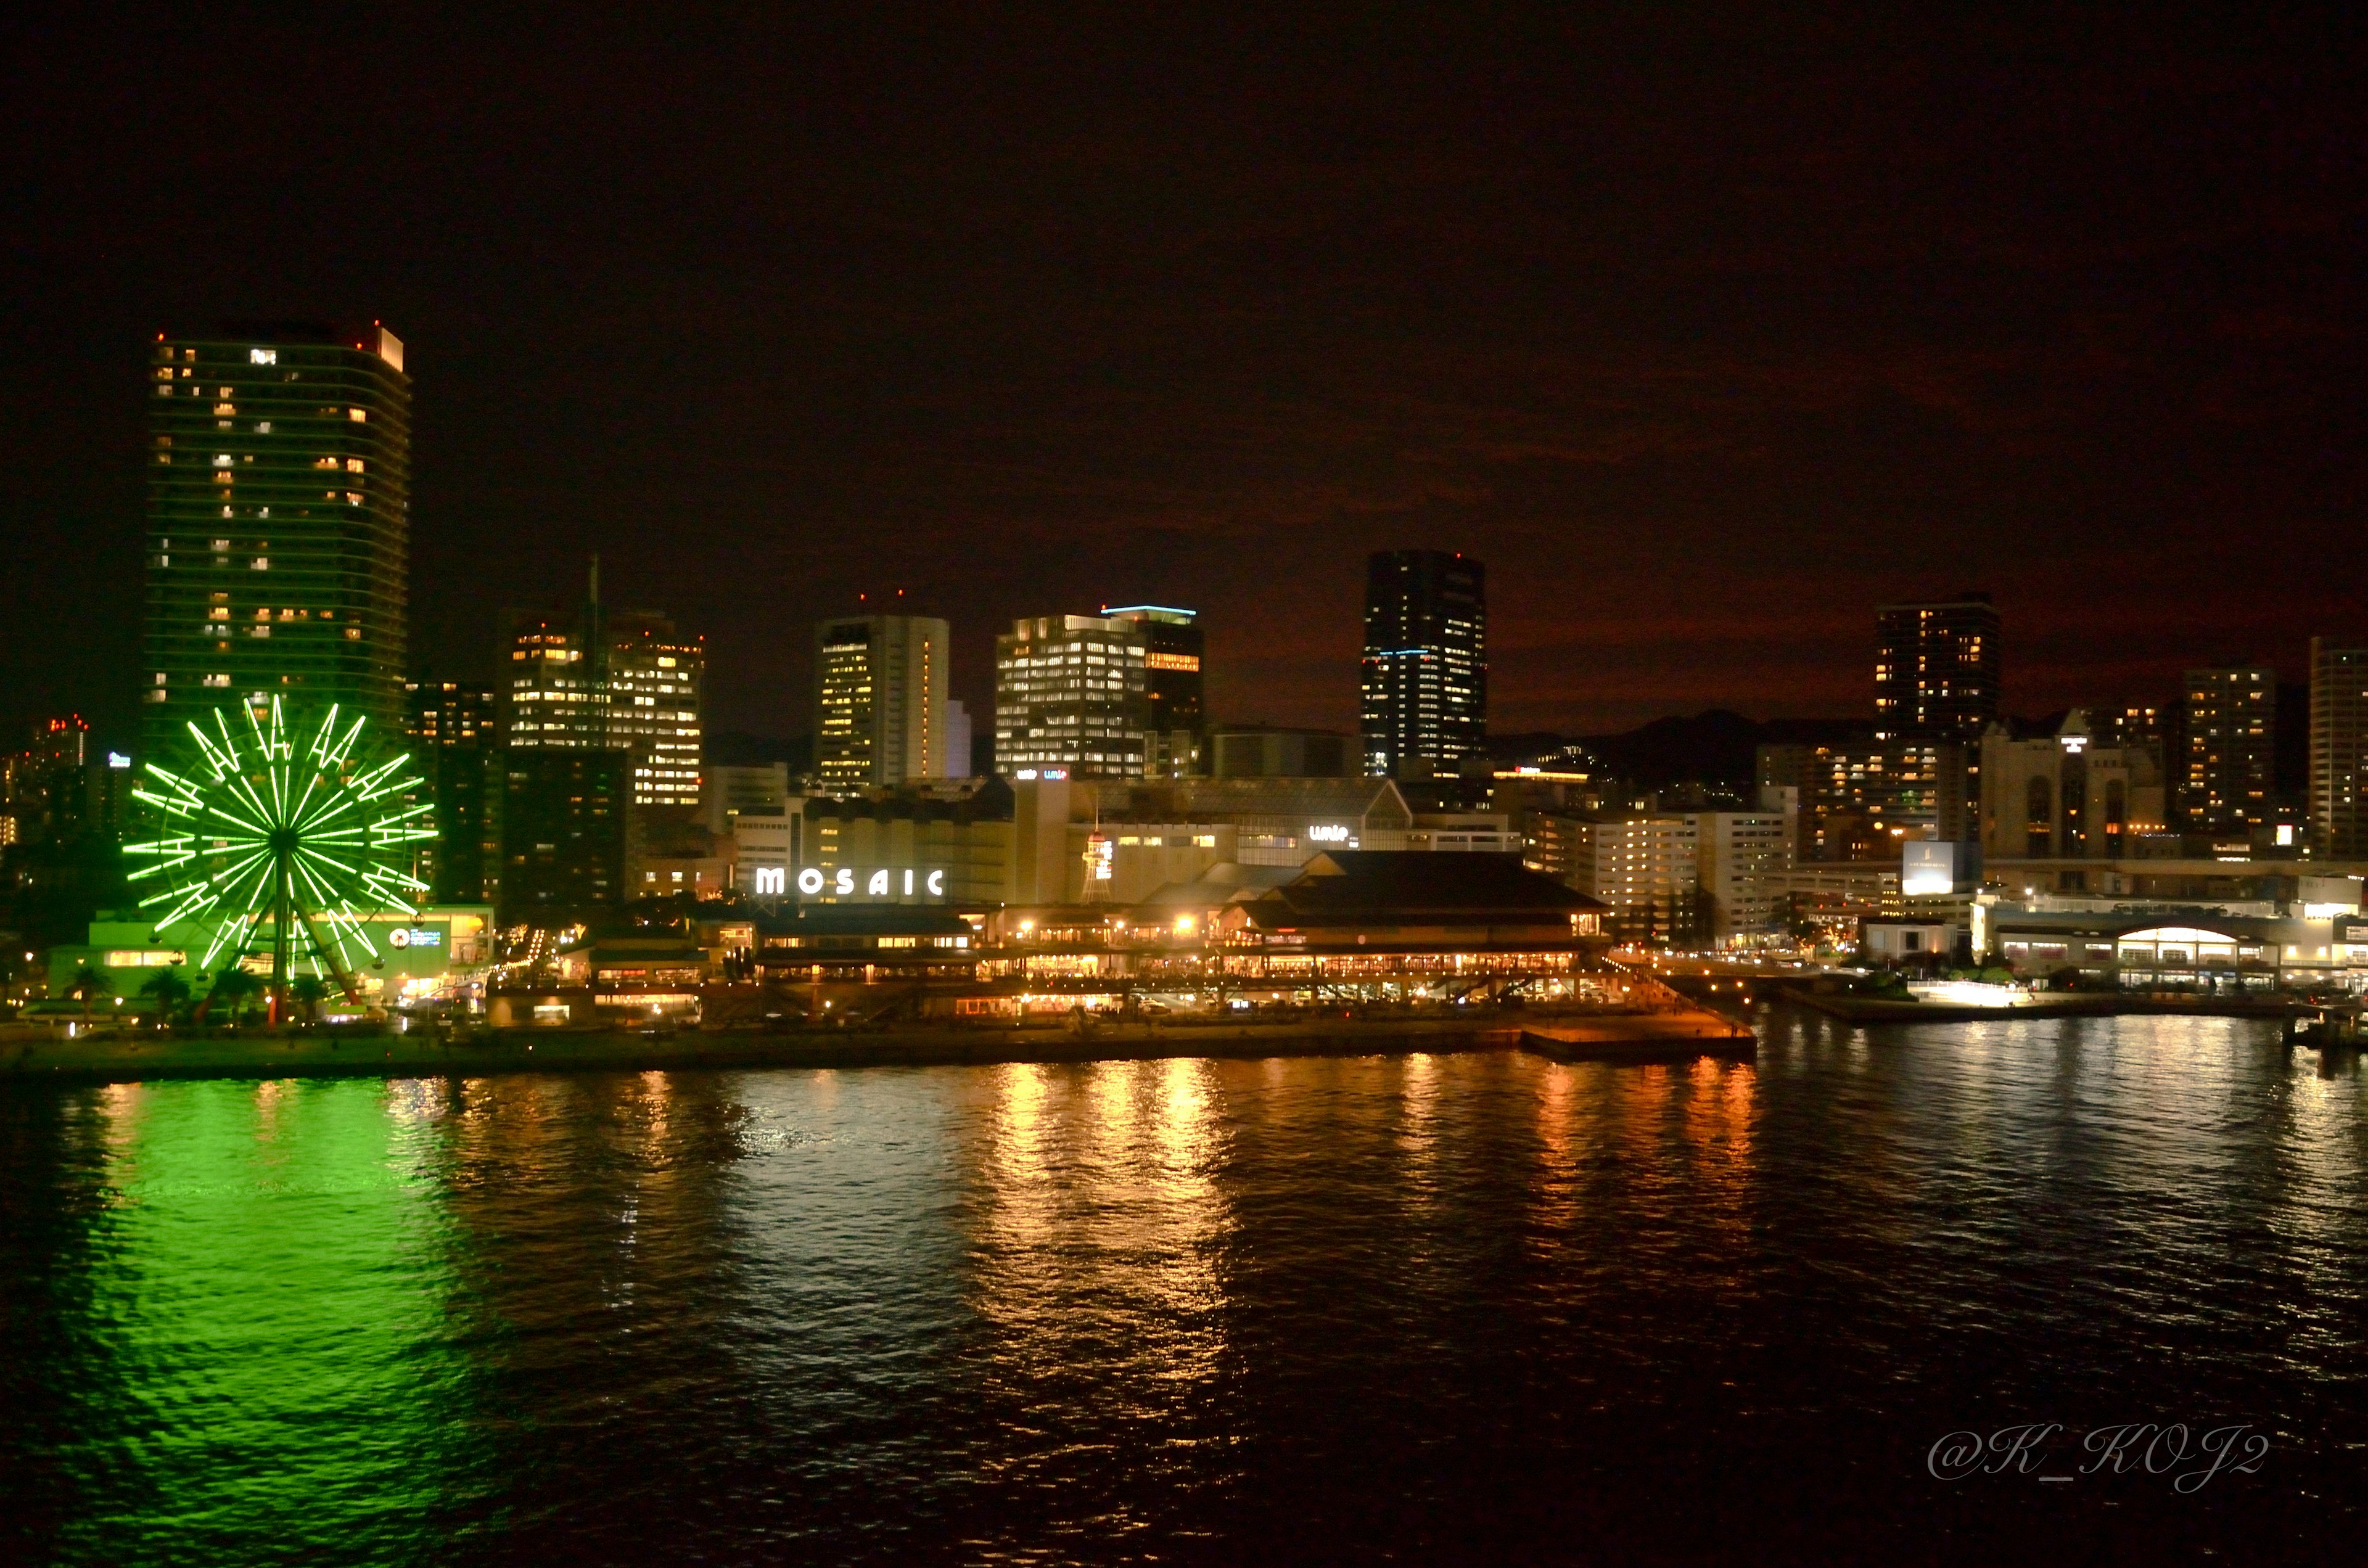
(142, 1054)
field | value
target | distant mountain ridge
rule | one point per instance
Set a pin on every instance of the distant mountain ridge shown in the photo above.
(1715, 748)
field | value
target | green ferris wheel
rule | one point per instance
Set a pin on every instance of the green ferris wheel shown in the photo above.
(281, 841)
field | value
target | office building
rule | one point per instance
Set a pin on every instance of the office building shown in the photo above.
(653, 678)
(2228, 761)
(278, 526)
(1936, 678)
(2066, 796)
(728, 791)
(565, 832)
(961, 760)
(1172, 690)
(622, 690)
(455, 735)
(1071, 697)
(2339, 749)
(602, 679)
(1425, 674)
(553, 696)
(879, 701)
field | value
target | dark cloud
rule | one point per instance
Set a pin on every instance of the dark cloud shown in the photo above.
(1708, 333)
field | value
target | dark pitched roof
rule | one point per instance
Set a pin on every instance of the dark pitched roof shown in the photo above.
(1347, 884)
(863, 920)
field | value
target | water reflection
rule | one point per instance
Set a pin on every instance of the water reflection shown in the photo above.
(1231, 1310)
(1097, 1212)
(271, 1264)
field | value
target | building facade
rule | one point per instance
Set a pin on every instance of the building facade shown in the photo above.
(1936, 679)
(279, 526)
(879, 701)
(655, 688)
(1072, 699)
(1646, 871)
(1740, 862)
(1862, 803)
(1936, 669)
(2064, 796)
(554, 698)
(455, 734)
(1267, 752)
(1174, 707)
(1424, 680)
(2228, 763)
(2339, 749)
(567, 826)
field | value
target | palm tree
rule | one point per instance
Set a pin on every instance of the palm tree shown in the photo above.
(171, 990)
(85, 980)
(308, 990)
(232, 987)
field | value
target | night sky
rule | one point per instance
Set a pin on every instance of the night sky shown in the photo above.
(1706, 336)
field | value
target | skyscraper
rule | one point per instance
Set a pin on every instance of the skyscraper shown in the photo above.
(1172, 690)
(1936, 670)
(2230, 759)
(1070, 698)
(612, 680)
(456, 737)
(554, 694)
(278, 525)
(1936, 678)
(880, 700)
(604, 755)
(652, 680)
(1424, 683)
(2339, 749)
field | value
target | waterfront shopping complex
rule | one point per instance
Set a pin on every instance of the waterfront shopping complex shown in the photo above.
(1096, 837)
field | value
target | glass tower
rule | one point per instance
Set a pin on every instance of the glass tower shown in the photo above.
(1425, 682)
(278, 526)
(1172, 689)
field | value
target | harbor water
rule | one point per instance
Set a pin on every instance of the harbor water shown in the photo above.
(1474, 1307)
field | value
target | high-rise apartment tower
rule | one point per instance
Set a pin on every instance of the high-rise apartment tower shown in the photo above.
(2230, 760)
(1425, 677)
(2339, 749)
(1936, 670)
(278, 526)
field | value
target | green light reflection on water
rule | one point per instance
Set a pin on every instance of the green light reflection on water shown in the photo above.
(277, 1374)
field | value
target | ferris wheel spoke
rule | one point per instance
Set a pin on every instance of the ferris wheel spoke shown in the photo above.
(321, 734)
(342, 747)
(218, 761)
(328, 861)
(258, 860)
